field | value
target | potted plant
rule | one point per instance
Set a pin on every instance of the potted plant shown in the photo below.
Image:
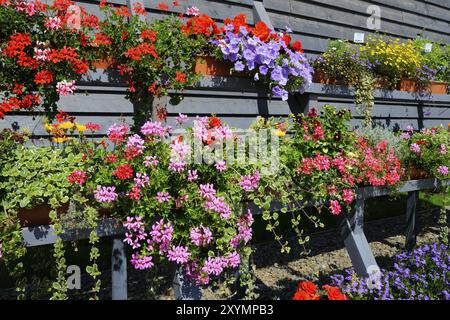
(393, 61)
(43, 53)
(427, 152)
(436, 63)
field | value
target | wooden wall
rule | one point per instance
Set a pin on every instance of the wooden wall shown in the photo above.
(238, 101)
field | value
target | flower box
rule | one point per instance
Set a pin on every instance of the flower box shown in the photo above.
(322, 78)
(210, 66)
(438, 87)
(408, 85)
(381, 83)
(416, 173)
(39, 215)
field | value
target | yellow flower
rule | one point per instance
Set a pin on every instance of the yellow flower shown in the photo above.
(80, 128)
(66, 125)
(48, 127)
(60, 139)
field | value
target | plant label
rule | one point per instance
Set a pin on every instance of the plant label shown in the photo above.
(428, 47)
(358, 37)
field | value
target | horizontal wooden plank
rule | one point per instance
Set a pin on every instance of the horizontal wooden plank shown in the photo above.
(333, 16)
(388, 14)
(416, 7)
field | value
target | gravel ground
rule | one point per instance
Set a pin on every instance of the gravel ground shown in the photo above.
(277, 274)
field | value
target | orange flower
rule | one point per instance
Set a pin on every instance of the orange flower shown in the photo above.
(308, 287)
(102, 39)
(261, 31)
(302, 295)
(180, 77)
(139, 9)
(43, 77)
(334, 293)
(123, 11)
(149, 35)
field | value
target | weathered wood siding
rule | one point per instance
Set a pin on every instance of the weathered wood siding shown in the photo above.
(238, 101)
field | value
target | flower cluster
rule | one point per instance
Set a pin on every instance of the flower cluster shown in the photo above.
(267, 54)
(422, 274)
(428, 150)
(333, 162)
(307, 290)
(174, 210)
(42, 52)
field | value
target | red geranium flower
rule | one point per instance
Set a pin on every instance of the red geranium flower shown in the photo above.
(123, 11)
(180, 77)
(149, 35)
(139, 9)
(297, 46)
(124, 171)
(102, 39)
(43, 77)
(162, 6)
(287, 39)
(214, 122)
(261, 31)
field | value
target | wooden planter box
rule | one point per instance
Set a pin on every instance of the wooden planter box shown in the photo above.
(210, 66)
(415, 173)
(322, 78)
(39, 215)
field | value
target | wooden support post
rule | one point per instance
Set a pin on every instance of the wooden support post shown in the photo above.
(260, 14)
(411, 228)
(184, 289)
(352, 232)
(118, 270)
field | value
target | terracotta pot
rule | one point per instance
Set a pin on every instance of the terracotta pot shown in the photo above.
(438, 87)
(39, 215)
(408, 85)
(102, 64)
(414, 173)
(210, 66)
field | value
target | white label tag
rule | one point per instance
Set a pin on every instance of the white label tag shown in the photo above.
(428, 47)
(358, 37)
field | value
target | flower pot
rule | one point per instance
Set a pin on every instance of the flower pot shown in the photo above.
(414, 173)
(39, 215)
(320, 77)
(408, 85)
(438, 87)
(102, 64)
(210, 66)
